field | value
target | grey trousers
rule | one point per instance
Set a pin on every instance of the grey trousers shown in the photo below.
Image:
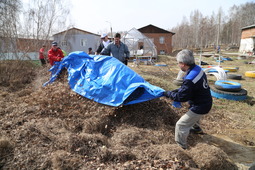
(184, 125)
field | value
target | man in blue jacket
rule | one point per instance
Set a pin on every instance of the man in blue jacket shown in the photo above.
(196, 91)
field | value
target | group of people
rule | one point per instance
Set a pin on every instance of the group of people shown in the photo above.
(194, 89)
(54, 54)
(117, 49)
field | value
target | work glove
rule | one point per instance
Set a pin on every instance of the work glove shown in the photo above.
(166, 93)
(177, 104)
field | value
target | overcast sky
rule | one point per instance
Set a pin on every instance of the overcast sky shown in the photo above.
(98, 16)
(123, 15)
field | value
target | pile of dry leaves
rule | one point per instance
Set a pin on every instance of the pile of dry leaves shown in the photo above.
(54, 128)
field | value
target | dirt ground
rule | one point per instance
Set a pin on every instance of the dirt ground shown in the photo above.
(54, 128)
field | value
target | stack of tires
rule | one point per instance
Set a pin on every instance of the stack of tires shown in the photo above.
(224, 89)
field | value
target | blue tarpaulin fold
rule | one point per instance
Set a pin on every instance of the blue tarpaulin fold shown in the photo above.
(104, 79)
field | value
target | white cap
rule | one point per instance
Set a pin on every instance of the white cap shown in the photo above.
(104, 35)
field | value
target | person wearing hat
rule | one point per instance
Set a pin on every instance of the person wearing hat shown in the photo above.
(118, 49)
(42, 55)
(55, 54)
(104, 43)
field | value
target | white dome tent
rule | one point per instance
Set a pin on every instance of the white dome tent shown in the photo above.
(139, 45)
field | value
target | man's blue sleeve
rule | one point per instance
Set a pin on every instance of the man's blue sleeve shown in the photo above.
(183, 94)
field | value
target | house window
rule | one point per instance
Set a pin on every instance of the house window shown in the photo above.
(162, 52)
(63, 43)
(83, 42)
(161, 40)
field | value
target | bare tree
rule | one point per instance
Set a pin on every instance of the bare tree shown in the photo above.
(241, 16)
(42, 18)
(25, 30)
(182, 36)
(195, 19)
(9, 12)
(214, 30)
(218, 26)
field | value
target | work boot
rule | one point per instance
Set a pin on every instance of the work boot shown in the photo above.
(196, 130)
(182, 146)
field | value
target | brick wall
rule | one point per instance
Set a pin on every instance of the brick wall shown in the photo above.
(167, 46)
(248, 33)
(32, 45)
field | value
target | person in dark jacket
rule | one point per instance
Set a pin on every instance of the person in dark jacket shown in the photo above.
(104, 43)
(196, 91)
(90, 51)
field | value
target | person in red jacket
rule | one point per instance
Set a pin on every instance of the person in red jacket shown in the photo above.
(42, 55)
(55, 54)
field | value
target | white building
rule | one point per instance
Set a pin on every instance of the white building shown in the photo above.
(75, 39)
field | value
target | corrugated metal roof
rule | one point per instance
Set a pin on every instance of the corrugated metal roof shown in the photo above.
(78, 30)
(248, 27)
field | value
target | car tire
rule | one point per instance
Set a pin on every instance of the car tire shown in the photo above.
(231, 69)
(226, 85)
(234, 76)
(250, 74)
(220, 94)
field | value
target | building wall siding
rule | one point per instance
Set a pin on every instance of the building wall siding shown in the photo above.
(73, 40)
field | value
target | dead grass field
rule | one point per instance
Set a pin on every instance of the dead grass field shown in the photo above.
(54, 128)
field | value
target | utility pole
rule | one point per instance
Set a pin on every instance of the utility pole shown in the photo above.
(110, 28)
(218, 35)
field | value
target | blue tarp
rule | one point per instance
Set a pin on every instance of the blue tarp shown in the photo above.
(104, 79)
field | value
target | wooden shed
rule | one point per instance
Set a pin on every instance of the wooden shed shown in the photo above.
(160, 37)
